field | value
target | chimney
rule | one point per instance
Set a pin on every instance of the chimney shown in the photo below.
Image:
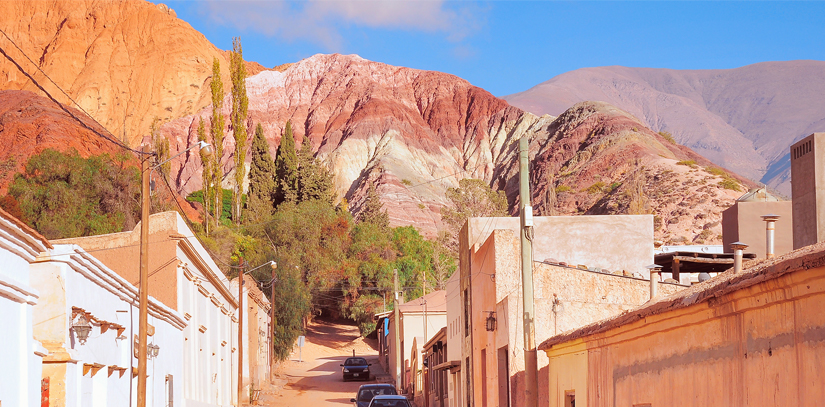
(770, 229)
(654, 280)
(737, 247)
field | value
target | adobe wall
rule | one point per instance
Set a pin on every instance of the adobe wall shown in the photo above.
(743, 222)
(613, 242)
(763, 345)
(808, 189)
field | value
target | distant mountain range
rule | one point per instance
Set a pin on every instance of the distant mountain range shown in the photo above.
(743, 119)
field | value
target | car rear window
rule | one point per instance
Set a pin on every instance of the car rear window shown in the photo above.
(368, 394)
(390, 403)
(356, 362)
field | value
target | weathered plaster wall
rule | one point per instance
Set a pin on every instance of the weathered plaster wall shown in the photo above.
(613, 242)
(808, 189)
(763, 345)
(742, 222)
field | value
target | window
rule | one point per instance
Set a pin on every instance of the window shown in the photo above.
(570, 398)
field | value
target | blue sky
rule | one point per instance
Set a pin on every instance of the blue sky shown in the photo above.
(510, 46)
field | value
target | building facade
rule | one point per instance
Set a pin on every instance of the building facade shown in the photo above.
(808, 190)
(742, 222)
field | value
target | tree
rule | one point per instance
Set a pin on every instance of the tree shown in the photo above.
(216, 131)
(286, 169)
(314, 179)
(472, 198)
(373, 210)
(206, 175)
(260, 200)
(238, 114)
(65, 195)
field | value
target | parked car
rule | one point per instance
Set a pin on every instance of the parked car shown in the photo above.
(367, 391)
(389, 401)
(356, 368)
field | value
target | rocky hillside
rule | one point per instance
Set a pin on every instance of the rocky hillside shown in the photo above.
(744, 119)
(416, 133)
(30, 124)
(125, 62)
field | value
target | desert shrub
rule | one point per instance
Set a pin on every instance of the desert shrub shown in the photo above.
(562, 188)
(689, 163)
(596, 188)
(667, 136)
(716, 171)
(730, 183)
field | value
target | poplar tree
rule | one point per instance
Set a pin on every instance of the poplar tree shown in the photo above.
(260, 203)
(238, 114)
(314, 179)
(216, 131)
(286, 169)
(206, 175)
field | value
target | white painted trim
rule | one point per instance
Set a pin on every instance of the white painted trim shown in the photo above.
(17, 291)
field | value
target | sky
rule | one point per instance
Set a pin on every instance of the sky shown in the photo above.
(510, 46)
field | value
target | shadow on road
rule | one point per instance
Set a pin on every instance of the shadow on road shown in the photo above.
(328, 334)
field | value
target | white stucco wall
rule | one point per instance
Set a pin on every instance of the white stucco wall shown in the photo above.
(69, 277)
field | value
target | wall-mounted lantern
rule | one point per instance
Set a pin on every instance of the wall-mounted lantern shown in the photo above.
(81, 328)
(152, 350)
(491, 321)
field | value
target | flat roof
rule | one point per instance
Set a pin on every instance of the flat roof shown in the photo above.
(697, 262)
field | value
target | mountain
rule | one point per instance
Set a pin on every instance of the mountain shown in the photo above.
(416, 133)
(125, 62)
(743, 119)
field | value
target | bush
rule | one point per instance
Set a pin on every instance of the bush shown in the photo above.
(596, 188)
(716, 171)
(562, 188)
(667, 136)
(730, 183)
(688, 163)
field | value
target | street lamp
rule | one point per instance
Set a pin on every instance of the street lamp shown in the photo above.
(81, 328)
(146, 170)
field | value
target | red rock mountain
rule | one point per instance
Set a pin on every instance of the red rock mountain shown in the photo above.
(744, 119)
(416, 133)
(125, 62)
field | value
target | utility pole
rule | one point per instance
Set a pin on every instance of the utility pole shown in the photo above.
(274, 266)
(397, 332)
(143, 290)
(240, 333)
(530, 357)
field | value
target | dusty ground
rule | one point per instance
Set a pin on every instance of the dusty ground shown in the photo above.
(316, 380)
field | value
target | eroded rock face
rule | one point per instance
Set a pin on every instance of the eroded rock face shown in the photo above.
(124, 62)
(30, 124)
(416, 133)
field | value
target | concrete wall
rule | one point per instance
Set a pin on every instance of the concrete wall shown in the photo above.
(256, 337)
(495, 285)
(20, 353)
(762, 345)
(454, 339)
(808, 189)
(613, 242)
(90, 374)
(742, 222)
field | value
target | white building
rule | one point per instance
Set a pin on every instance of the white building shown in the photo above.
(256, 337)
(97, 371)
(20, 354)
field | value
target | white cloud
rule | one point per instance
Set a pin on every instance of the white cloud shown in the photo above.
(320, 21)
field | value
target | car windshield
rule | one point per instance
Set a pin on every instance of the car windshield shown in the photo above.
(368, 394)
(355, 362)
(390, 403)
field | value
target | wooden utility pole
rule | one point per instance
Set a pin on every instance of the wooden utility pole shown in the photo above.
(240, 333)
(397, 332)
(530, 357)
(143, 289)
(272, 320)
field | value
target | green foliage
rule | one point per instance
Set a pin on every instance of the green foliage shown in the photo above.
(717, 171)
(472, 198)
(286, 169)
(730, 183)
(214, 190)
(689, 163)
(406, 182)
(373, 210)
(314, 179)
(260, 204)
(291, 307)
(668, 137)
(563, 188)
(596, 188)
(238, 114)
(64, 195)
(614, 185)
(161, 144)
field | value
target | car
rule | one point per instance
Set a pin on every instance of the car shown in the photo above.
(367, 391)
(389, 401)
(356, 368)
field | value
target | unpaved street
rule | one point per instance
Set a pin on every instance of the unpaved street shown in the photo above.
(317, 380)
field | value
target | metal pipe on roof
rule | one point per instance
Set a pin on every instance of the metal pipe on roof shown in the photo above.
(738, 248)
(770, 231)
(654, 280)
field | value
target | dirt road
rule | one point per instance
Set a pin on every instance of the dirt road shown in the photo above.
(317, 380)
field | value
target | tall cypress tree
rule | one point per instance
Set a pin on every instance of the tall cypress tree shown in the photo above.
(373, 210)
(314, 179)
(206, 175)
(240, 104)
(262, 184)
(286, 169)
(216, 131)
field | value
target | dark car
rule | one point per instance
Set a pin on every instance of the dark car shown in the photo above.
(356, 368)
(367, 391)
(389, 401)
